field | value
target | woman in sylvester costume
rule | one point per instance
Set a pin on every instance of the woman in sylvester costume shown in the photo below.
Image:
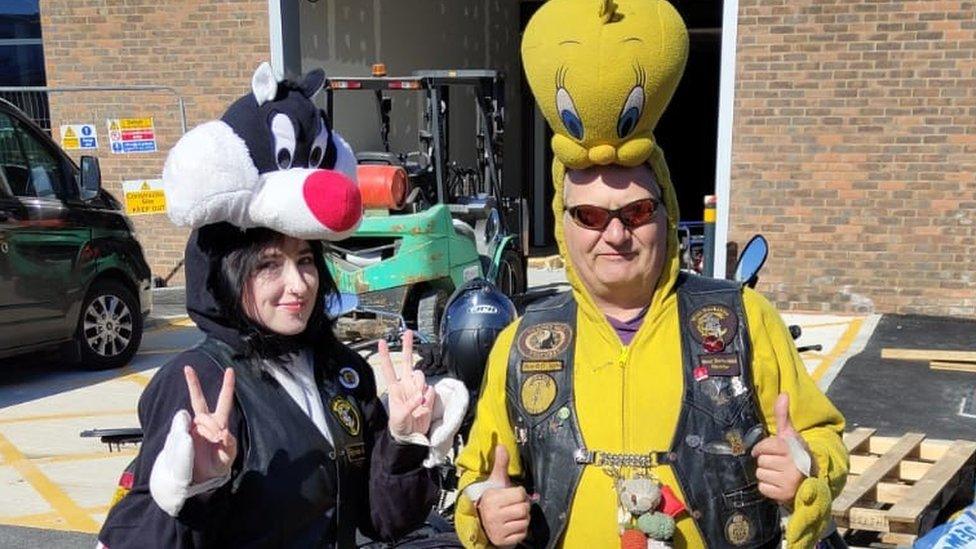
(270, 433)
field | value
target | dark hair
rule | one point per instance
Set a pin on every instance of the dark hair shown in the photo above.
(238, 265)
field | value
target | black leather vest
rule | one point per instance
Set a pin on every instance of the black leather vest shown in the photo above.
(293, 489)
(718, 423)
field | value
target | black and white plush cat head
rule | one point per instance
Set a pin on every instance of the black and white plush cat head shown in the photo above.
(272, 160)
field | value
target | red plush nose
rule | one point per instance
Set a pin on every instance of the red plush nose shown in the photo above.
(333, 199)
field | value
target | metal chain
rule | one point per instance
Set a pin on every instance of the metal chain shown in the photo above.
(616, 461)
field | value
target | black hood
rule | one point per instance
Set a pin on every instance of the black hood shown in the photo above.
(204, 251)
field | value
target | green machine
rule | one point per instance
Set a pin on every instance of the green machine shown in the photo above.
(453, 225)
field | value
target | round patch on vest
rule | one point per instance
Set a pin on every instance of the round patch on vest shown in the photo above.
(347, 414)
(545, 341)
(714, 327)
(738, 529)
(348, 378)
(538, 393)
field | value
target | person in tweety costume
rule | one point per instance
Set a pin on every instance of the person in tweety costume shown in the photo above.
(565, 434)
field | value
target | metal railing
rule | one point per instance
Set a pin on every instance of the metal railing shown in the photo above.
(33, 100)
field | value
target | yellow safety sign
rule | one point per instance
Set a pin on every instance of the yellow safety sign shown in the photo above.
(132, 135)
(69, 139)
(143, 197)
(135, 123)
(78, 137)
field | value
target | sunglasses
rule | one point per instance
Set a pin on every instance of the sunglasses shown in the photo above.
(633, 215)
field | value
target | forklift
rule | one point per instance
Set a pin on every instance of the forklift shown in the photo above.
(431, 223)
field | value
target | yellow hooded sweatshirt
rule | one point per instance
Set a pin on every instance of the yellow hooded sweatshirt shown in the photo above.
(628, 400)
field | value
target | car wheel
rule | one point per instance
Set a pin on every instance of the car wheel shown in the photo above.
(430, 308)
(110, 326)
(511, 279)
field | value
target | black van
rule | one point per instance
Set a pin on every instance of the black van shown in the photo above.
(71, 271)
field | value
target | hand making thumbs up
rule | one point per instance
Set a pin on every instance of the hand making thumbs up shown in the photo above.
(504, 508)
(777, 457)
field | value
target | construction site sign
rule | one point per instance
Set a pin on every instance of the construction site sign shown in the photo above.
(78, 137)
(132, 135)
(144, 196)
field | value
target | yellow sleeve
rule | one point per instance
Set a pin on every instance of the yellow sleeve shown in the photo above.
(490, 426)
(777, 368)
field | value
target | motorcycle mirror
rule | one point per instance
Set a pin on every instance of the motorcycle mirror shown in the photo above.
(751, 260)
(341, 304)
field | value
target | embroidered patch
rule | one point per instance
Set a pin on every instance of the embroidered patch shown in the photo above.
(738, 529)
(348, 378)
(545, 341)
(714, 327)
(346, 413)
(538, 393)
(722, 364)
(529, 366)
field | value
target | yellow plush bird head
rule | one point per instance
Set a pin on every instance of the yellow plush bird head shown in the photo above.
(602, 72)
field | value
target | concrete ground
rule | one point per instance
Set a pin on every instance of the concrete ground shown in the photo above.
(56, 485)
(899, 396)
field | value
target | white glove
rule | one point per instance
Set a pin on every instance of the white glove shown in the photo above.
(446, 418)
(172, 472)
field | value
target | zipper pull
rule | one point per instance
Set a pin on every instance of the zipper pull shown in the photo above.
(623, 356)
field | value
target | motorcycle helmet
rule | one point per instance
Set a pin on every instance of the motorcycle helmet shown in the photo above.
(473, 317)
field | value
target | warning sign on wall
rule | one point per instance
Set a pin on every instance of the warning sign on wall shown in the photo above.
(76, 137)
(144, 196)
(132, 135)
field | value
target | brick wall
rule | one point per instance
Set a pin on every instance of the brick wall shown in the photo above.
(854, 152)
(205, 50)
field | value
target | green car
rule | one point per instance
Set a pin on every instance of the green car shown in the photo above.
(455, 224)
(72, 274)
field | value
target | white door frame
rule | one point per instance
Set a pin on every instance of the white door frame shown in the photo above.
(723, 153)
(284, 31)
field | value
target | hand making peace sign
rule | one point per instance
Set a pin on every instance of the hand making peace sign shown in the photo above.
(214, 447)
(411, 399)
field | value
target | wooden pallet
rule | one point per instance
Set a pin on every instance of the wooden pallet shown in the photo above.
(898, 485)
(928, 354)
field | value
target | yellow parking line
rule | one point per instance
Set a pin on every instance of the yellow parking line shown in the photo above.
(50, 417)
(126, 374)
(826, 324)
(48, 521)
(173, 324)
(844, 343)
(76, 517)
(105, 454)
(161, 352)
(138, 379)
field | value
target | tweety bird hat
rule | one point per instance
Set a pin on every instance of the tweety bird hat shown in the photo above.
(602, 71)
